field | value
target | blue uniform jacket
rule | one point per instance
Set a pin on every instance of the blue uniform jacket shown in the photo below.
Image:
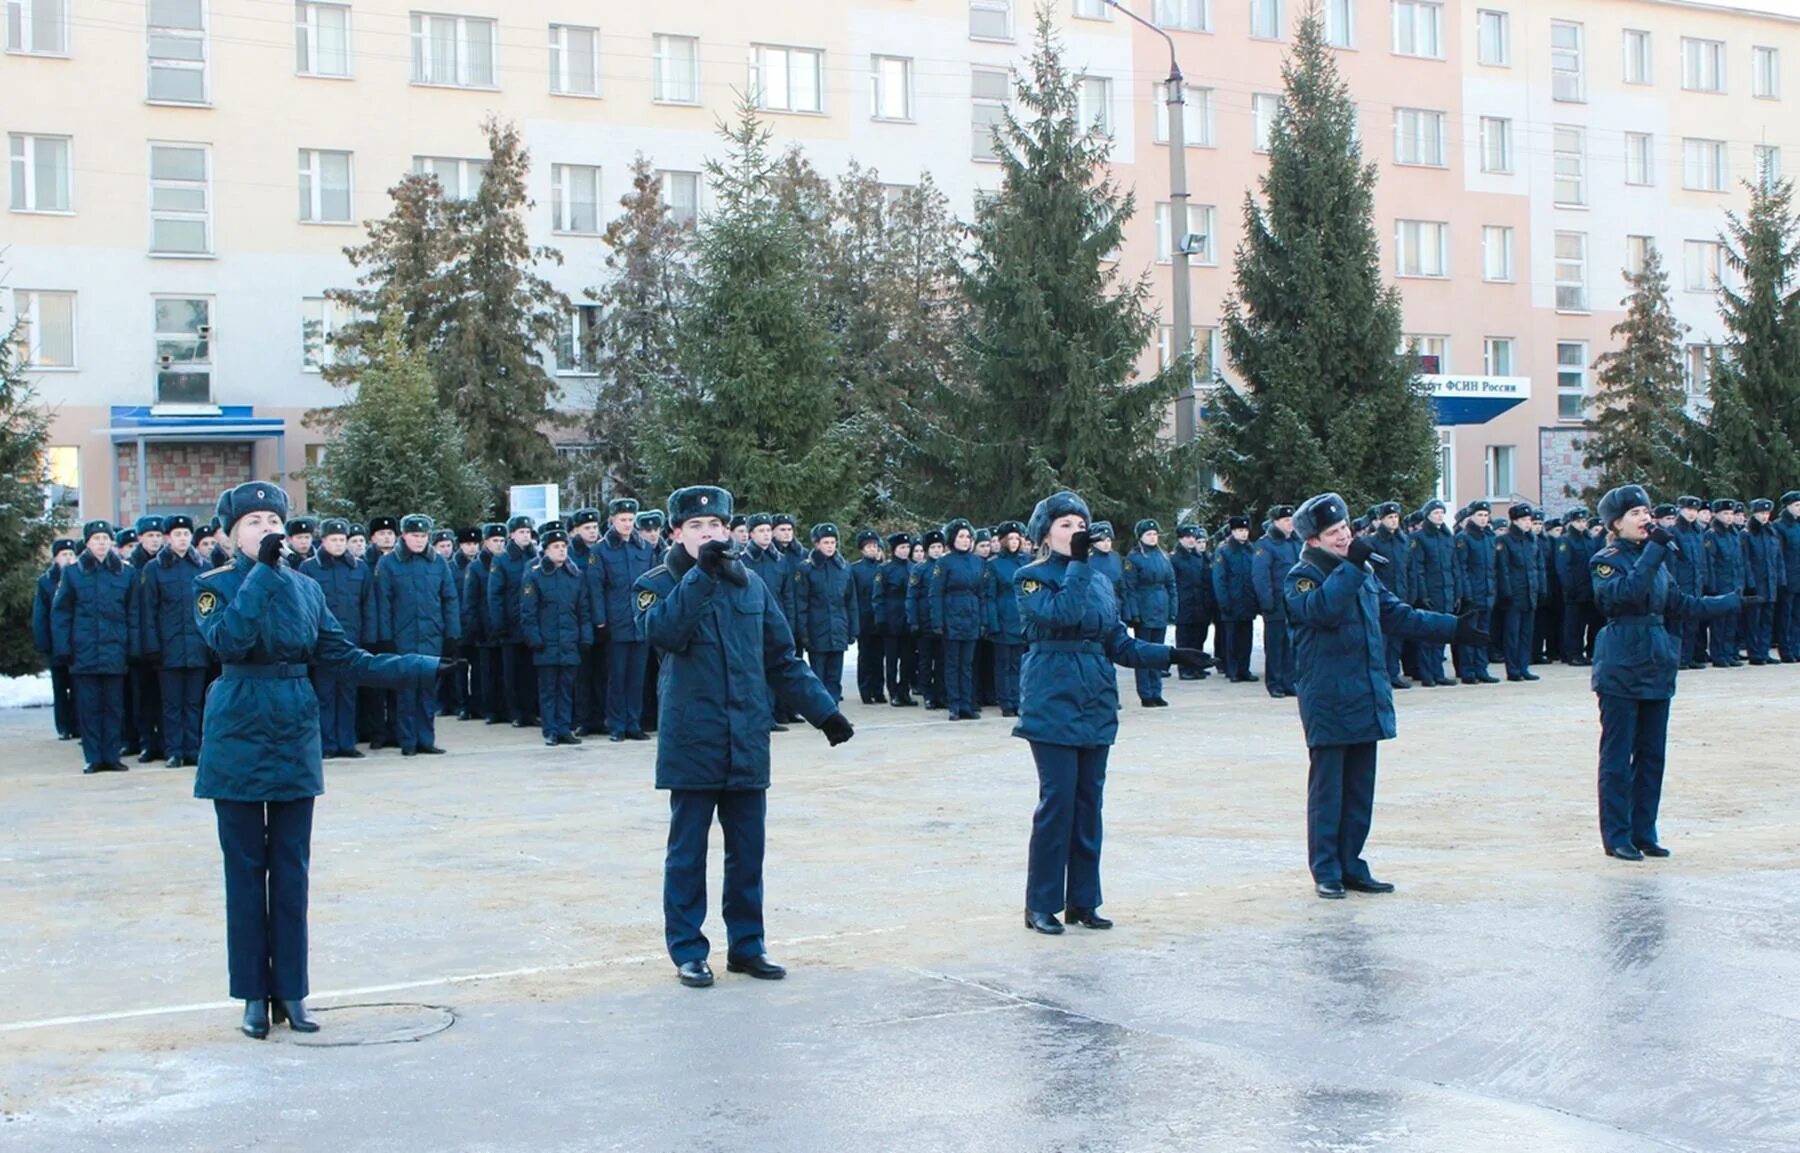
(1234, 582)
(1475, 557)
(1009, 623)
(1688, 566)
(1150, 591)
(349, 588)
(866, 572)
(555, 612)
(1068, 689)
(94, 617)
(42, 634)
(962, 600)
(1788, 530)
(1415, 569)
(1396, 547)
(1273, 554)
(1437, 566)
(1768, 571)
(475, 628)
(1193, 585)
(416, 603)
(260, 740)
(918, 606)
(1725, 568)
(1571, 557)
(890, 598)
(1518, 581)
(505, 580)
(827, 604)
(1338, 615)
(771, 565)
(1107, 564)
(727, 652)
(612, 577)
(170, 636)
(1635, 654)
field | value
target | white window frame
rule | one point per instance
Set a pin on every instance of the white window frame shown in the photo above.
(1637, 252)
(312, 184)
(205, 215)
(1184, 15)
(1765, 72)
(1340, 22)
(989, 9)
(579, 323)
(1568, 64)
(153, 63)
(306, 36)
(1089, 10)
(1767, 161)
(882, 87)
(669, 178)
(1418, 29)
(1568, 169)
(1421, 138)
(665, 75)
(1089, 91)
(331, 317)
(28, 313)
(1699, 363)
(1497, 253)
(1640, 159)
(1496, 453)
(470, 172)
(1493, 38)
(1264, 108)
(1202, 219)
(982, 145)
(562, 54)
(1705, 165)
(1496, 145)
(1446, 462)
(1571, 272)
(1637, 57)
(1495, 349)
(1569, 368)
(22, 19)
(1422, 345)
(768, 59)
(1196, 114)
(1703, 268)
(1267, 20)
(1702, 65)
(562, 205)
(158, 338)
(22, 172)
(424, 60)
(1422, 249)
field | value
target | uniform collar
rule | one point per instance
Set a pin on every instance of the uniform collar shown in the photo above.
(679, 561)
(1320, 559)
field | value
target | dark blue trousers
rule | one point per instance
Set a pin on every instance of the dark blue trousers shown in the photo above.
(337, 711)
(415, 717)
(1234, 648)
(1391, 649)
(145, 711)
(1632, 739)
(1064, 860)
(1150, 681)
(100, 711)
(556, 700)
(1762, 630)
(493, 682)
(590, 687)
(1278, 655)
(1007, 659)
(1516, 638)
(62, 701)
(183, 691)
(870, 652)
(1190, 637)
(743, 814)
(959, 675)
(1340, 806)
(829, 668)
(1580, 623)
(1787, 622)
(900, 664)
(929, 677)
(1693, 641)
(267, 848)
(1723, 639)
(625, 664)
(1429, 658)
(520, 677)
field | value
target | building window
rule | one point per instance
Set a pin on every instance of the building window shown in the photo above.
(1497, 356)
(175, 35)
(574, 60)
(321, 319)
(575, 198)
(1571, 271)
(890, 88)
(1418, 29)
(1698, 366)
(1639, 168)
(1493, 38)
(1496, 144)
(1765, 73)
(675, 70)
(39, 173)
(321, 39)
(1265, 19)
(681, 192)
(1570, 164)
(1340, 23)
(183, 349)
(1703, 165)
(44, 332)
(787, 79)
(324, 187)
(1702, 65)
(63, 463)
(1201, 222)
(990, 89)
(578, 341)
(1186, 15)
(990, 19)
(1091, 10)
(460, 179)
(1500, 470)
(1637, 56)
(1567, 78)
(452, 51)
(1093, 104)
(1422, 248)
(1263, 107)
(180, 199)
(1703, 265)
(1637, 253)
(1196, 116)
(1419, 137)
(1768, 166)
(1446, 461)
(1571, 379)
(1433, 352)
(38, 27)
(1496, 252)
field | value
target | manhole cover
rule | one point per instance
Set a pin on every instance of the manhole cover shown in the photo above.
(378, 1023)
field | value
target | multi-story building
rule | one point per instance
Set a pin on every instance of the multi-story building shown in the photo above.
(185, 174)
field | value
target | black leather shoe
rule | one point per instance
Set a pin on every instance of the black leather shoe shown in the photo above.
(146, 758)
(1009, 712)
(1087, 918)
(293, 1015)
(1651, 849)
(114, 767)
(353, 754)
(1487, 680)
(777, 727)
(1250, 678)
(758, 966)
(465, 715)
(551, 742)
(517, 723)
(1530, 677)
(1330, 890)
(1370, 885)
(1399, 683)
(177, 763)
(1045, 923)
(409, 752)
(637, 735)
(91, 770)
(256, 1019)
(496, 720)
(377, 746)
(568, 739)
(694, 974)
(1625, 853)
(431, 750)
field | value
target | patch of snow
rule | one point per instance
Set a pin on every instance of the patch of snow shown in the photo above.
(31, 692)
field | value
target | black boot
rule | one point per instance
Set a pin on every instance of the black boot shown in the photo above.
(256, 1019)
(293, 1014)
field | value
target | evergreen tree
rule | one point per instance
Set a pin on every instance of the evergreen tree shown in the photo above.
(1053, 333)
(635, 343)
(26, 525)
(394, 449)
(1639, 432)
(1325, 402)
(403, 265)
(1754, 431)
(756, 406)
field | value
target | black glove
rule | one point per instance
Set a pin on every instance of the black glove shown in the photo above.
(269, 552)
(837, 728)
(1078, 546)
(735, 572)
(1362, 549)
(1193, 660)
(446, 664)
(1750, 597)
(1665, 538)
(712, 559)
(1471, 629)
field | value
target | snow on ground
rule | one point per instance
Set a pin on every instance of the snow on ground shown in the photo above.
(31, 692)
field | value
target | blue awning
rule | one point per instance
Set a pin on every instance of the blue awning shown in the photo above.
(231, 421)
(1475, 399)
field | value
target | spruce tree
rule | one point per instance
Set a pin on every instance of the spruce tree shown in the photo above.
(1638, 431)
(1754, 430)
(26, 524)
(394, 449)
(1054, 333)
(755, 408)
(1325, 402)
(402, 268)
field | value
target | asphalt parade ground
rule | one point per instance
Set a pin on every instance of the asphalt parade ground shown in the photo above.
(487, 956)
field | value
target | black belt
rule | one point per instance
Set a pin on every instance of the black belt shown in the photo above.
(1094, 647)
(274, 672)
(1639, 618)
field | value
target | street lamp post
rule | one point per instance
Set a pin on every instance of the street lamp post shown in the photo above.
(1183, 335)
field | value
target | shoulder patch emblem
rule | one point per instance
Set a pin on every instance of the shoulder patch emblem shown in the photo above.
(1603, 571)
(208, 603)
(645, 599)
(1306, 584)
(1029, 586)
(1127, 566)
(913, 580)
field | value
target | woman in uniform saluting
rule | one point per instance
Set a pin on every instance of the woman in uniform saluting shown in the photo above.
(1069, 709)
(259, 751)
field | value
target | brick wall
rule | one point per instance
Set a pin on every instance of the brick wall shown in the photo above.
(183, 477)
(1561, 475)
